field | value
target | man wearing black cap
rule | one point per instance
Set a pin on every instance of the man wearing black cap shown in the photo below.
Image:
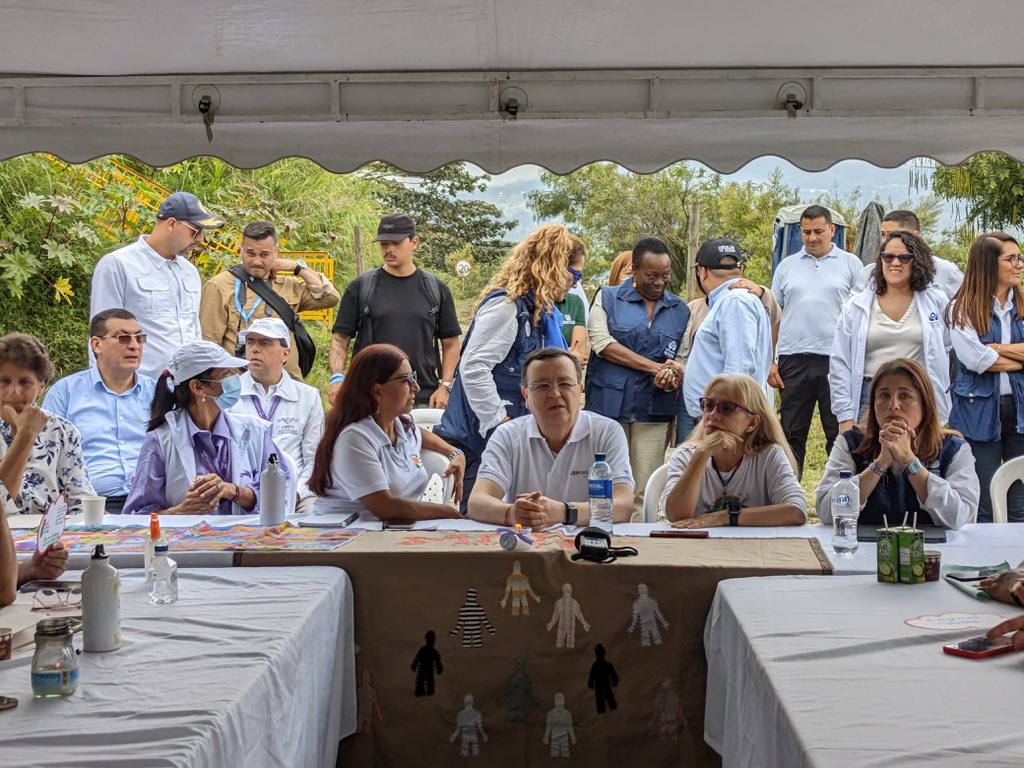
(155, 282)
(736, 335)
(401, 305)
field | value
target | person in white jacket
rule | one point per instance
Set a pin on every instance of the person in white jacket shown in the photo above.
(900, 317)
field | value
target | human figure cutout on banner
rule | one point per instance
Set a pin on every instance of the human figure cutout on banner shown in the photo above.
(668, 718)
(602, 680)
(517, 696)
(426, 663)
(471, 622)
(469, 725)
(367, 707)
(647, 612)
(559, 732)
(567, 611)
(517, 587)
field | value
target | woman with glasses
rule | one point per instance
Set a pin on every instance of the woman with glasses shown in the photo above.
(903, 458)
(516, 315)
(47, 449)
(736, 467)
(985, 320)
(574, 314)
(897, 315)
(198, 459)
(369, 459)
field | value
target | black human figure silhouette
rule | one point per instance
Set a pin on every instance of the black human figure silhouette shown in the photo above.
(602, 680)
(426, 661)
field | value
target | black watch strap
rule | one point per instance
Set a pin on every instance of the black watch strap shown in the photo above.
(734, 517)
(571, 515)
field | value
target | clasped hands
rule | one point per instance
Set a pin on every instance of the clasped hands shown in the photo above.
(897, 443)
(205, 494)
(536, 511)
(669, 376)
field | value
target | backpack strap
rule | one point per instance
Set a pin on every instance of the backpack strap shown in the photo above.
(367, 287)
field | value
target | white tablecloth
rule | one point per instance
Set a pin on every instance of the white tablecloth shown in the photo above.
(251, 667)
(823, 671)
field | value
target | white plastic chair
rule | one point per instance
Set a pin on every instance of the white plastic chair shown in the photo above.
(436, 463)
(652, 494)
(1004, 477)
(426, 417)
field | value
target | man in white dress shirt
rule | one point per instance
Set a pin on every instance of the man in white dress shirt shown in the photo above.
(155, 282)
(294, 409)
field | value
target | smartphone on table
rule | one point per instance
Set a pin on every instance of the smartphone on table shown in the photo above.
(398, 525)
(978, 575)
(7, 702)
(979, 647)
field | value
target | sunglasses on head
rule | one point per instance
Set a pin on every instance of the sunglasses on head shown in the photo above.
(904, 258)
(724, 407)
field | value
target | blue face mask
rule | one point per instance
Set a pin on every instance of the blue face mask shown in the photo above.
(231, 392)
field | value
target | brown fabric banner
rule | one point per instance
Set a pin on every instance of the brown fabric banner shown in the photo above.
(533, 657)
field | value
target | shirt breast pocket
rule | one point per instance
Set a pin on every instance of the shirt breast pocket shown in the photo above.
(155, 295)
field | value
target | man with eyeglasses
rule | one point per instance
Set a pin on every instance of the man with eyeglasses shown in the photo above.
(736, 334)
(948, 277)
(534, 469)
(109, 404)
(811, 286)
(153, 279)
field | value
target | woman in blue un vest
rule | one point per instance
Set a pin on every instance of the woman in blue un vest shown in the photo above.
(986, 326)
(636, 330)
(516, 316)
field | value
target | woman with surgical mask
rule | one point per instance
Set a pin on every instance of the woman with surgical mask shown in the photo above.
(197, 458)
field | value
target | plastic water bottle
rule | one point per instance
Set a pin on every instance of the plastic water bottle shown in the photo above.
(272, 493)
(599, 483)
(163, 577)
(101, 604)
(845, 502)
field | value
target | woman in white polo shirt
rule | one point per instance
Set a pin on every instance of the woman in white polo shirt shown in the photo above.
(368, 460)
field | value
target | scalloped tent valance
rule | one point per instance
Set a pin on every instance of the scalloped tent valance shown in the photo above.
(509, 82)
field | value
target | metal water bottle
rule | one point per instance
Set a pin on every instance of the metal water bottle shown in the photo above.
(101, 604)
(273, 486)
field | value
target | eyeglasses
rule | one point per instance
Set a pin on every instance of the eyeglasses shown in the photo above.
(408, 378)
(576, 276)
(543, 388)
(197, 232)
(60, 599)
(904, 258)
(724, 407)
(1015, 260)
(126, 338)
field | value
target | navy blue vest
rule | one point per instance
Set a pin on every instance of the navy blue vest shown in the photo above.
(460, 424)
(975, 411)
(626, 394)
(894, 496)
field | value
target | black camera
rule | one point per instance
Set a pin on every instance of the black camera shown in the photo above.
(240, 349)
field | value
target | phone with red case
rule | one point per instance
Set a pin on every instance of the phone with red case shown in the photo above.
(979, 647)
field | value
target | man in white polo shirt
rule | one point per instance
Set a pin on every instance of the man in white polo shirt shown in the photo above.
(534, 469)
(295, 409)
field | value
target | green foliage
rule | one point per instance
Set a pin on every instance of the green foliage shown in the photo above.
(446, 219)
(987, 191)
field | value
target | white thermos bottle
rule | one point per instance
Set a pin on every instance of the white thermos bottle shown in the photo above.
(273, 486)
(101, 604)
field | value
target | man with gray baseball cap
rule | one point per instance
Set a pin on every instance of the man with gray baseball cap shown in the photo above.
(153, 280)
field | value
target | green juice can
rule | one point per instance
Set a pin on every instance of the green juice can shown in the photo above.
(911, 549)
(888, 555)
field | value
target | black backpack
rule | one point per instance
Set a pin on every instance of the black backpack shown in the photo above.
(368, 286)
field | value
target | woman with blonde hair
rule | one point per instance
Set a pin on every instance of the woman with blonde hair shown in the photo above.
(736, 467)
(516, 315)
(621, 269)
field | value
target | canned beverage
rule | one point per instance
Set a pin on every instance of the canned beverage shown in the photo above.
(888, 551)
(911, 546)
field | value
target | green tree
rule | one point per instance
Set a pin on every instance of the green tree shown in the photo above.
(987, 190)
(447, 219)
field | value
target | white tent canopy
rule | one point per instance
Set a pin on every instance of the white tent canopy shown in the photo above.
(560, 84)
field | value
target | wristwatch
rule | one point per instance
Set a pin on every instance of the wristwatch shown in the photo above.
(914, 466)
(447, 384)
(571, 515)
(733, 508)
(299, 266)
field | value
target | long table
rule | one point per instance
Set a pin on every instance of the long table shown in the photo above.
(827, 672)
(249, 668)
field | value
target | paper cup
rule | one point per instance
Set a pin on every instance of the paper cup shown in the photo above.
(6, 635)
(94, 507)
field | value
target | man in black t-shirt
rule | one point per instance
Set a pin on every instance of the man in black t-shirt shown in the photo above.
(401, 305)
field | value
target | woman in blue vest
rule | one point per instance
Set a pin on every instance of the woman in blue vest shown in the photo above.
(902, 456)
(516, 315)
(986, 326)
(636, 331)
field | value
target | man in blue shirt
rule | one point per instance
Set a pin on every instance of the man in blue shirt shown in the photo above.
(736, 335)
(109, 404)
(811, 286)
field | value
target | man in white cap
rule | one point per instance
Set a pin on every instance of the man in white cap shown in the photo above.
(155, 282)
(294, 410)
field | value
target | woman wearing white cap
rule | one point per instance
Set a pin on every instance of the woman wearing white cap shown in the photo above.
(198, 459)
